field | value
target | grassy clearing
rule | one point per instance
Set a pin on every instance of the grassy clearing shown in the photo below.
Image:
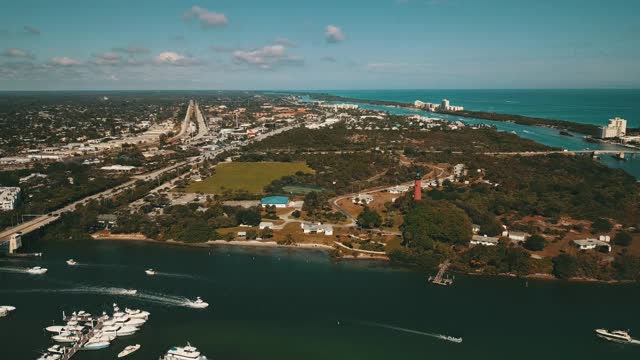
(246, 176)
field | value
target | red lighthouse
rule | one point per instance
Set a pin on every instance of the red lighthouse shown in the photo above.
(417, 190)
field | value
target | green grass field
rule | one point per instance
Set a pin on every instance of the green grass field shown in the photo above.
(247, 176)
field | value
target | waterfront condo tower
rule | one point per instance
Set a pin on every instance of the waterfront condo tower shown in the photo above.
(417, 189)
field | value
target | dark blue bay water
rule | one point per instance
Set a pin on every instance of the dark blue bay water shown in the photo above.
(580, 106)
(286, 304)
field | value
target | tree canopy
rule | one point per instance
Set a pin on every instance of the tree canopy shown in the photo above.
(430, 221)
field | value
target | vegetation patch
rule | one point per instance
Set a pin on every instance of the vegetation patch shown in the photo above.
(250, 177)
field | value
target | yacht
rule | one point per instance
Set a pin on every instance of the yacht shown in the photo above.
(64, 328)
(150, 272)
(71, 262)
(36, 270)
(97, 344)
(137, 314)
(198, 304)
(118, 330)
(183, 353)
(65, 337)
(128, 350)
(125, 319)
(615, 335)
(5, 310)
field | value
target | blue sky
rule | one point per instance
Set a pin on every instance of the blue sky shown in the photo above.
(329, 44)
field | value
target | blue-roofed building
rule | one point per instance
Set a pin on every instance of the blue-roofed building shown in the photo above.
(277, 201)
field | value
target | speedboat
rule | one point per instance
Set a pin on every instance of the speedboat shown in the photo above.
(451, 338)
(71, 262)
(183, 353)
(198, 304)
(47, 356)
(37, 270)
(130, 292)
(137, 314)
(150, 272)
(620, 336)
(128, 350)
(57, 349)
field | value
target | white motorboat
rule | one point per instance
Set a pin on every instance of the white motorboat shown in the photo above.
(37, 270)
(137, 314)
(97, 344)
(47, 356)
(64, 328)
(451, 338)
(124, 319)
(183, 353)
(128, 350)
(65, 338)
(130, 292)
(150, 272)
(620, 336)
(71, 262)
(119, 330)
(5, 310)
(57, 349)
(198, 303)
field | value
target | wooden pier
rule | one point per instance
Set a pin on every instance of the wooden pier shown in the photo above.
(439, 279)
(84, 338)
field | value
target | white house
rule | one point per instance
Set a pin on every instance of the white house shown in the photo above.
(484, 240)
(362, 199)
(265, 225)
(316, 228)
(398, 189)
(590, 244)
(518, 236)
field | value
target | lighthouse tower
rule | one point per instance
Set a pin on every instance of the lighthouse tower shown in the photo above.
(417, 190)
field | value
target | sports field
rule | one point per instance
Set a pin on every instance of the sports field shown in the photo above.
(247, 176)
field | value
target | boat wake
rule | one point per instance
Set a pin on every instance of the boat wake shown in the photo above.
(14, 270)
(179, 276)
(78, 290)
(163, 299)
(410, 331)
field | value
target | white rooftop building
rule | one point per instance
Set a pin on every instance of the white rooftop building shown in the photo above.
(616, 128)
(8, 197)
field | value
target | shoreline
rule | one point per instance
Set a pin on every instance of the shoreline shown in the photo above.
(327, 248)
(245, 243)
(580, 128)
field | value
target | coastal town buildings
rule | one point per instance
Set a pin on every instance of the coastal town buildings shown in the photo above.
(9, 197)
(444, 105)
(617, 127)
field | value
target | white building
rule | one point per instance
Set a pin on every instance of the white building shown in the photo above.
(616, 128)
(316, 228)
(117, 168)
(398, 189)
(362, 199)
(265, 225)
(484, 240)
(9, 197)
(590, 244)
(517, 236)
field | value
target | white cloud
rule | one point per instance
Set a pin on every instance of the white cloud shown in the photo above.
(207, 18)
(17, 53)
(174, 58)
(334, 34)
(284, 41)
(65, 61)
(266, 57)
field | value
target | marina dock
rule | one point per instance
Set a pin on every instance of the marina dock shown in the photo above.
(84, 338)
(439, 279)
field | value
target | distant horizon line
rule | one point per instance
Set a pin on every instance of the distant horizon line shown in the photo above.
(318, 90)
